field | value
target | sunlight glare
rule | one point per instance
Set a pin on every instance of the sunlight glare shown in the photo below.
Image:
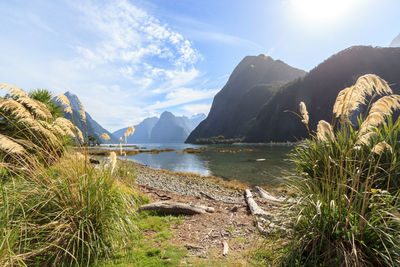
(320, 11)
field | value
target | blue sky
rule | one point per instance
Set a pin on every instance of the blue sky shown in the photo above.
(130, 59)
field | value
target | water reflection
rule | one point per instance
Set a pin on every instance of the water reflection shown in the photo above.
(241, 166)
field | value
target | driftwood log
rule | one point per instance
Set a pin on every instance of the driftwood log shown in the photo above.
(226, 248)
(176, 208)
(254, 208)
(266, 195)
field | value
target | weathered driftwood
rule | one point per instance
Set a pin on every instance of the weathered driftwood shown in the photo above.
(226, 249)
(254, 208)
(266, 195)
(176, 208)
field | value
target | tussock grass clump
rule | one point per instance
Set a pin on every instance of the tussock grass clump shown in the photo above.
(67, 214)
(348, 210)
(56, 209)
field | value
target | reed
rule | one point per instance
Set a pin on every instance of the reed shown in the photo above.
(348, 206)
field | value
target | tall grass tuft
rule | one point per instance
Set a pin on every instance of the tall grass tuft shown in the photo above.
(55, 208)
(348, 211)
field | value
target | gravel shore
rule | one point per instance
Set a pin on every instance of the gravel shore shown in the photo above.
(189, 184)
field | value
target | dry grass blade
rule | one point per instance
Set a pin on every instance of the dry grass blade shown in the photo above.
(105, 136)
(9, 146)
(324, 130)
(380, 147)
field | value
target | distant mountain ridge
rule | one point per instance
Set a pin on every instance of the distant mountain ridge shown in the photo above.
(166, 129)
(91, 127)
(234, 109)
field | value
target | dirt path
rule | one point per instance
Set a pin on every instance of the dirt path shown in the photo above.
(203, 235)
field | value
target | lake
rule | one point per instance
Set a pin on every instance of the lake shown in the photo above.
(241, 166)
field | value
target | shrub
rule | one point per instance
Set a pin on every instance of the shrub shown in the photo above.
(348, 208)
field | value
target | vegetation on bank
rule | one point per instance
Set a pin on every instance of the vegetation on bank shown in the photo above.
(58, 209)
(348, 210)
(220, 139)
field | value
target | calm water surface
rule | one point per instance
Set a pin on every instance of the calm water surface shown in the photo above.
(241, 166)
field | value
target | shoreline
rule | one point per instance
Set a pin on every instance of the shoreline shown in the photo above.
(192, 184)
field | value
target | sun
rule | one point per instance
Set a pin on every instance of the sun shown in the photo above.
(321, 11)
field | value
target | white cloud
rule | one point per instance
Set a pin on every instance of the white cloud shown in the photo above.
(182, 96)
(197, 108)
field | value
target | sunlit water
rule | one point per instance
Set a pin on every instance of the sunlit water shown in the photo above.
(241, 166)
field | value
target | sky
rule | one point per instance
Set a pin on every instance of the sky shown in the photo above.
(131, 59)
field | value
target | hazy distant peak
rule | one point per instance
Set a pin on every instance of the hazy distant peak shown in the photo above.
(395, 42)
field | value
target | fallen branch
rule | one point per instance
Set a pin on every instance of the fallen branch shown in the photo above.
(162, 197)
(266, 195)
(226, 249)
(176, 208)
(207, 196)
(254, 208)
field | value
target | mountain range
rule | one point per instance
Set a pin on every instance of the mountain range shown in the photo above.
(264, 116)
(166, 129)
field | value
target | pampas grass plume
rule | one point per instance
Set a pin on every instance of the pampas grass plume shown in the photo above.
(304, 113)
(324, 130)
(105, 136)
(113, 160)
(128, 132)
(10, 146)
(380, 147)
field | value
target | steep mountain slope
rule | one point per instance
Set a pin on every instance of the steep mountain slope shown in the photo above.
(395, 42)
(250, 85)
(167, 126)
(319, 89)
(91, 127)
(142, 131)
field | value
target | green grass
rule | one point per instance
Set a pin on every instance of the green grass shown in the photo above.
(149, 246)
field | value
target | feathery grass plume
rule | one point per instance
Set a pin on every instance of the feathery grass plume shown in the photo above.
(9, 146)
(128, 132)
(364, 139)
(57, 130)
(16, 109)
(324, 129)
(63, 99)
(349, 99)
(382, 108)
(79, 135)
(82, 112)
(38, 108)
(66, 125)
(304, 113)
(17, 92)
(105, 136)
(380, 147)
(113, 160)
